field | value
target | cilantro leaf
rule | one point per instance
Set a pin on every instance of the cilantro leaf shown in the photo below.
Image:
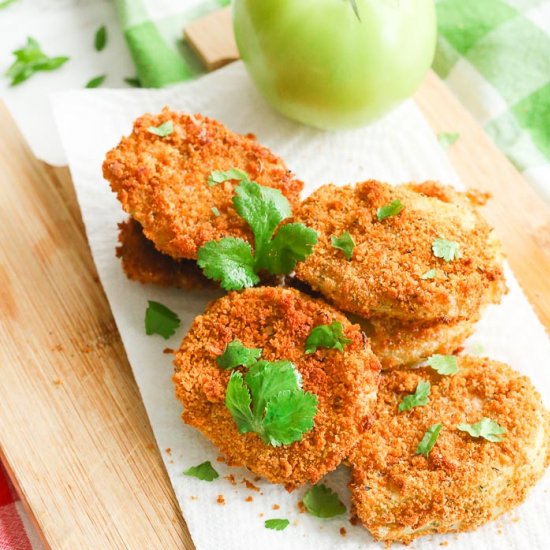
(30, 59)
(237, 355)
(322, 502)
(417, 399)
(388, 210)
(219, 176)
(430, 274)
(327, 336)
(429, 439)
(345, 243)
(204, 472)
(162, 130)
(160, 320)
(269, 401)
(447, 250)
(446, 139)
(293, 243)
(276, 524)
(96, 81)
(100, 39)
(443, 364)
(486, 428)
(229, 261)
(133, 81)
(215, 211)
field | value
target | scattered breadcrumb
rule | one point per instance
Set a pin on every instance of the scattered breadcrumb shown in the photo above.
(168, 450)
(275, 507)
(231, 479)
(250, 485)
(249, 499)
(343, 531)
(220, 500)
(301, 507)
(167, 350)
(220, 459)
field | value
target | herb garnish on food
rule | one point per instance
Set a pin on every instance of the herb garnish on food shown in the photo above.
(163, 130)
(160, 320)
(100, 39)
(219, 176)
(417, 399)
(327, 336)
(388, 210)
(447, 250)
(133, 81)
(323, 502)
(31, 59)
(429, 439)
(486, 428)
(443, 364)
(215, 211)
(237, 355)
(345, 243)
(96, 81)
(269, 400)
(430, 274)
(204, 472)
(231, 260)
(276, 524)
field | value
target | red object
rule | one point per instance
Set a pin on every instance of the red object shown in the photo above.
(13, 521)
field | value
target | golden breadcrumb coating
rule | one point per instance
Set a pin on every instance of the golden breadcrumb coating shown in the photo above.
(142, 262)
(384, 276)
(162, 181)
(465, 481)
(397, 343)
(278, 321)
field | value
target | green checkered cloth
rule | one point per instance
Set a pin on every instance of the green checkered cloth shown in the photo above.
(493, 54)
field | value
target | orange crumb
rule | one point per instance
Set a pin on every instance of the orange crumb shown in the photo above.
(168, 450)
(301, 507)
(231, 479)
(257, 478)
(275, 507)
(220, 500)
(249, 499)
(194, 497)
(342, 531)
(167, 350)
(220, 459)
(150, 446)
(354, 520)
(250, 485)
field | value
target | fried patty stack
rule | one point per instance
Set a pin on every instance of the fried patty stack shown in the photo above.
(419, 278)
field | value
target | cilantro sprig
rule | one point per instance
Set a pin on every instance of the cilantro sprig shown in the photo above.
(443, 364)
(388, 210)
(29, 60)
(276, 524)
(160, 320)
(446, 250)
(162, 130)
(327, 336)
(417, 399)
(323, 502)
(268, 400)
(233, 263)
(219, 176)
(486, 428)
(345, 243)
(428, 441)
(204, 472)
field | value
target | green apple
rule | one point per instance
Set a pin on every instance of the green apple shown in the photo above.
(335, 63)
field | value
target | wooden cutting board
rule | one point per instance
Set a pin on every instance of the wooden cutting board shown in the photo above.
(74, 434)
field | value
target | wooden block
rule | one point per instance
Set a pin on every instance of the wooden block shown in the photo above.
(211, 38)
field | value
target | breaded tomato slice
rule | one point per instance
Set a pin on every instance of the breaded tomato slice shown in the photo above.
(278, 321)
(162, 182)
(393, 270)
(464, 481)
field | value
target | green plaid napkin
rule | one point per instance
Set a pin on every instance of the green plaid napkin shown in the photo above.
(493, 54)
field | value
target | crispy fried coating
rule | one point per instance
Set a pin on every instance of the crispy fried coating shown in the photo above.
(390, 256)
(278, 321)
(142, 262)
(162, 181)
(465, 481)
(398, 343)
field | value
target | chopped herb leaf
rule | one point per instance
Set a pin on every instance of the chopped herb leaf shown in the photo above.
(388, 210)
(162, 130)
(447, 250)
(231, 260)
(417, 399)
(160, 320)
(237, 355)
(345, 243)
(443, 364)
(96, 81)
(446, 139)
(270, 401)
(486, 428)
(6, 3)
(30, 59)
(430, 274)
(204, 472)
(327, 336)
(218, 176)
(322, 502)
(429, 439)
(133, 81)
(276, 524)
(215, 211)
(100, 40)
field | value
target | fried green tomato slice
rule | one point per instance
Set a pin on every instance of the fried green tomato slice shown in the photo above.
(464, 481)
(393, 270)
(162, 181)
(278, 321)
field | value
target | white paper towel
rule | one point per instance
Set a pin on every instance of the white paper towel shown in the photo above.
(401, 147)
